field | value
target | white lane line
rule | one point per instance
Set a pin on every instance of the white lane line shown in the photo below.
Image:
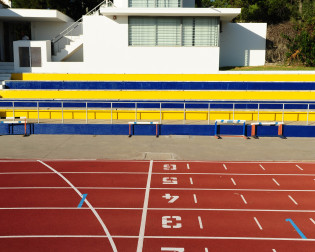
(233, 181)
(145, 209)
(206, 250)
(276, 182)
(273, 250)
(159, 237)
(160, 209)
(87, 202)
(191, 181)
(195, 198)
(312, 221)
(262, 167)
(299, 167)
(200, 222)
(243, 199)
(293, 200)
(188, 167)
(258, 224)
(224, 166)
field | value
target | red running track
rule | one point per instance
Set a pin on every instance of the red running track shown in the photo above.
(156, 206)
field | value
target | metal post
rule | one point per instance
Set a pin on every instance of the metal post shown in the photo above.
(258, 112)
(233, 110)
(62, 112)
(160, 112)
(37, 112)
(86, 105)
(13, 110)
(184, 113)
(308, 112)
(111, 113)
(282, 112)
(209, 114)
(136, 111)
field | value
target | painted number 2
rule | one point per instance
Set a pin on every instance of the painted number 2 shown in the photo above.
(171, 222)
(169, 167)
(173, 249)
(170, 181)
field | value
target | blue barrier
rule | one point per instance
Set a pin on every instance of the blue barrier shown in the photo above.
(168, 129)
(94, 85)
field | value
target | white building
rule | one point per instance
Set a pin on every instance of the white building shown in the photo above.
(136, 37)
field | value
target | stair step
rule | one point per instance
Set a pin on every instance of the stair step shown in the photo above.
(7, 64)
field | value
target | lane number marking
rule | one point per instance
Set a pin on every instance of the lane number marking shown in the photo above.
(233, 181)
(82, 200)
(195, 198)
(243, 199)
(171, 222)
(173, 249)
(170, 181)
(276, 182)
(200, 222)
(299, 167)
(191, 181)
(258, 224)
(171, 198)
(296, 228)
(169, 167)
(293, 200)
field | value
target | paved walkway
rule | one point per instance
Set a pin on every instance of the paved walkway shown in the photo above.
(162, 148)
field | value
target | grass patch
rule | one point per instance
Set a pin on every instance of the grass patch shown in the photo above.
(269, 68)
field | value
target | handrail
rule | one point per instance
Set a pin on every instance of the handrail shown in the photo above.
(76, 24)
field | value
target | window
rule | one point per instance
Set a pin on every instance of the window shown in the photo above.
(155, 3)
(173, 31)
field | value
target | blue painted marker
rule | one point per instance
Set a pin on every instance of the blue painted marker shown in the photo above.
(296, 228)
(82, 200)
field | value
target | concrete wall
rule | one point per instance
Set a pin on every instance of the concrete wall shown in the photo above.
(107, 51)
(243, 44)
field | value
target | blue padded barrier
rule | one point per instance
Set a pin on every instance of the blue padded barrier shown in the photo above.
(83, 85)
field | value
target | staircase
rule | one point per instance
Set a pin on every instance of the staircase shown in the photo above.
(6, 69)
(74, 43)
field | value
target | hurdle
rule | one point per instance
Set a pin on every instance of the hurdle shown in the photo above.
(16, 122)
(216, 127)
(132, 125)
(254, 128)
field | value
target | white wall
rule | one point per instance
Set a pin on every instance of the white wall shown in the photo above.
(106, 50)
(124, 3)
(243, 44)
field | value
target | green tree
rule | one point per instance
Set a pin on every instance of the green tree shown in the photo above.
(73, 8)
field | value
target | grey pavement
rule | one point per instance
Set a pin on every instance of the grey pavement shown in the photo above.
(150, 147)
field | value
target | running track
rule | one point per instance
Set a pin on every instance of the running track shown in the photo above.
(135, 206)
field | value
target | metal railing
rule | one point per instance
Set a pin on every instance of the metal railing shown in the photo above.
(56, 42)
(158, 107)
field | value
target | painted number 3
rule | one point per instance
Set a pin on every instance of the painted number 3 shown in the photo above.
(171, 222)
(169, 167)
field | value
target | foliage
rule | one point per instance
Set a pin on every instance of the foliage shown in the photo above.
(73, 8)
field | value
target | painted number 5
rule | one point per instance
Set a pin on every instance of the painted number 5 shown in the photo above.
(173, 249)
(170, 181)
(171, 222)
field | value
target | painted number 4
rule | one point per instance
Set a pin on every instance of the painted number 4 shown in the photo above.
(171, 222)
(169, 167)
(171, 198)
(173, 249)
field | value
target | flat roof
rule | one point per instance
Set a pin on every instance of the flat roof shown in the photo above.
(27, 15)
(225, 13)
